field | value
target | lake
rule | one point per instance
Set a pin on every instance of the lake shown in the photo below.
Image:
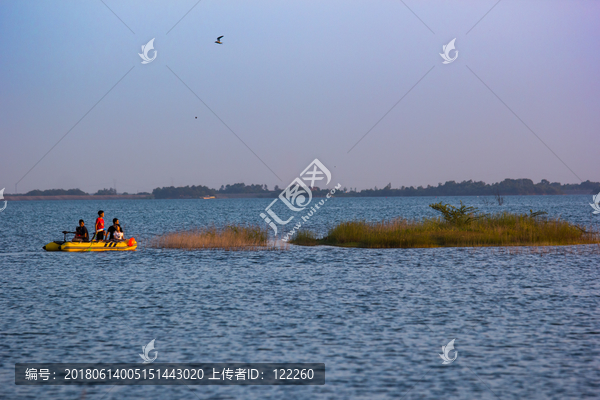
(525, 321)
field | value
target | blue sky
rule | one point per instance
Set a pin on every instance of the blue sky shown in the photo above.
(297, 80)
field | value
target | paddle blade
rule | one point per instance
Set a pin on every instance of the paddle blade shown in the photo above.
(130, 242)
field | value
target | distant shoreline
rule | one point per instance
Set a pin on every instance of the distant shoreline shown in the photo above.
(508, 187)
(10, 197)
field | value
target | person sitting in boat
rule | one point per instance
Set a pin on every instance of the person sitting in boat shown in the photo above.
(118, 234)
(81, 233)
(99, 227)
(113, 228)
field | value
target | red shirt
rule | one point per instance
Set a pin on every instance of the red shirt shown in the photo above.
(99, 223)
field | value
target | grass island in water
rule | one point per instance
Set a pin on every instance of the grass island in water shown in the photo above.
(458, 227)
(230, 237)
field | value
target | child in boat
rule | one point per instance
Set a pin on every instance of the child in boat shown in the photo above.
(81, 233)
(112, 229)
(118, 234)
(99, 227)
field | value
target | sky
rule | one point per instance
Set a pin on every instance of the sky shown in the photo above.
(294, 81)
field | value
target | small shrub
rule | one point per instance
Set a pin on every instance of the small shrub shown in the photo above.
(536, 214)
(499, 198)
(458, 216)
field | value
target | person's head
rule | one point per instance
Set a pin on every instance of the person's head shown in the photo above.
(118, 228)
(101, 214)
(115, 221)
(81, 222)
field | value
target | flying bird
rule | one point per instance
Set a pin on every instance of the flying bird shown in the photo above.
(219, 40)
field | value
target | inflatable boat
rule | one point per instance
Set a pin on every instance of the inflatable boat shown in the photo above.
(65, 245)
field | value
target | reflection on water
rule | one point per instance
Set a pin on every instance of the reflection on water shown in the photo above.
(525, 322)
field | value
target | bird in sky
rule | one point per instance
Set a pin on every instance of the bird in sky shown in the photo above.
(219, 40)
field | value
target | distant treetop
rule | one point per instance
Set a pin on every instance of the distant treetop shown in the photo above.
(106, 192)
(187, 192)
(56, 192)
(243, 188)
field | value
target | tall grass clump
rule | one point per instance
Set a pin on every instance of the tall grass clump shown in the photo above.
(230, 237)
(457, 227)
(305, 238)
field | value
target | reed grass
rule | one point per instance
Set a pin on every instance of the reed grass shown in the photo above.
(230, 237)
(502, 229)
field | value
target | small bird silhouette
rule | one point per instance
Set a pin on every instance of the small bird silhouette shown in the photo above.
(219, 40)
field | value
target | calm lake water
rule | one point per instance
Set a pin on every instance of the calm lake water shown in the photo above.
(526, 323)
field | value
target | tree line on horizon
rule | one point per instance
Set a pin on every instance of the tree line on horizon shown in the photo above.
(74, 192)
(196, 192)
(449, 188)
(480, 188)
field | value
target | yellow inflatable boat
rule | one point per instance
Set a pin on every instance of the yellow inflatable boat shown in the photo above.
(125, 245)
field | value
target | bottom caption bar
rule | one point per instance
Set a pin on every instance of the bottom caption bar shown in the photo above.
(170, 374)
